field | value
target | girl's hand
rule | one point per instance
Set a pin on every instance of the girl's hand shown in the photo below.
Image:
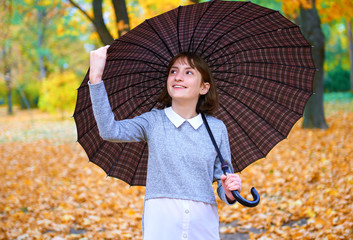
(231, 182)
(97, 64)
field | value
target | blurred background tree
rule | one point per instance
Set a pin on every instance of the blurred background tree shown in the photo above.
(337, 17)
(114, 18)
(322, 23)
(42, 39)
(61, 101)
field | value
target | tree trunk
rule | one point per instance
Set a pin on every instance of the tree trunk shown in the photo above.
(350, 38)
(121, 16)
(311, 28)
(98, 22)
(8, 85)
(7, 56)
(40, 18)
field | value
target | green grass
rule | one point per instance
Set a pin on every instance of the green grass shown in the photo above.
(338, 102)
(338, 97)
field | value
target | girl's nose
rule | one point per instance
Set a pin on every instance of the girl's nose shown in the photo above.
(179, 77)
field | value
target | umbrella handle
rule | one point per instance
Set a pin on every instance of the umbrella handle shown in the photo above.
(237, 195)
(246, 202)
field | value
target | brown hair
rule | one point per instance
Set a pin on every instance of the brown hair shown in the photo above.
(207, 103)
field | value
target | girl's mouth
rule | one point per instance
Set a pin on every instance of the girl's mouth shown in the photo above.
(178, 86)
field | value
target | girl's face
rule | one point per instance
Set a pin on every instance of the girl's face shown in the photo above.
(185, 83)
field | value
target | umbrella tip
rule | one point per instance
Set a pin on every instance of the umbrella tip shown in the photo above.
(312, 46)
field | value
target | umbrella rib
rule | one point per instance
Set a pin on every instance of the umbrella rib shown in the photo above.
(177, 27)
(142, 73)
(132, 98)
(267, 79)
(166, 46)
(214, 26)
(232, 28)
(148, 49)
(224, 108)
(235, 42)
(88, 106)
(197, 24)
(126, 74)
(116, 160)
(253, 111)
(270, 63)
(148, 64)
(140, 158)
(238, 85)
(147, 88)
(254, 49)
(136, 60)
(231, 43)
(100, 146)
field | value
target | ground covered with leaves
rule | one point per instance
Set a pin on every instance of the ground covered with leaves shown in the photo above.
(49, 190)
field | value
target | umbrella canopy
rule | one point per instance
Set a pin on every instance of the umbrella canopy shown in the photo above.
(260, 61)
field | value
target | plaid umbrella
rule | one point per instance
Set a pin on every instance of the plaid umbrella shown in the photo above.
(262, 67)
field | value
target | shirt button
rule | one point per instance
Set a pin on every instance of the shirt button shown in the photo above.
(185, 235)
(186, 211)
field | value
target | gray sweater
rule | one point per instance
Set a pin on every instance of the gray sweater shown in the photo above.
(182, 161)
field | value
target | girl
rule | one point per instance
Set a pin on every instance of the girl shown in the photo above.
(182, 161)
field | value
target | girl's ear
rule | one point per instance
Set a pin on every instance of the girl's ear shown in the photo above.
(204, 88)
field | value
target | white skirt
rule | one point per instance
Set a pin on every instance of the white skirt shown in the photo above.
(179, 219)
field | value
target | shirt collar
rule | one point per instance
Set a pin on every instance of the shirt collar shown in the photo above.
(177, 120)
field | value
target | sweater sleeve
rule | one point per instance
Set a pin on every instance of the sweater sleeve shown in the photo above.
(128, 130)
(225, 151)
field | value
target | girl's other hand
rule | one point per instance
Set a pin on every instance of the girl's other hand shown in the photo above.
(97, 64)
(230, 183)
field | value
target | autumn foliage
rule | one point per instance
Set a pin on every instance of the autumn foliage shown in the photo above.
(49, 190)
(57, 95)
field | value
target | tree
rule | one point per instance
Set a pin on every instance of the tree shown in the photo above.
(121, 16)
(6, 17)
(39, 39)
(57, 95)
(333, 11)
(350, 37)
(305, 14)
(311, 28)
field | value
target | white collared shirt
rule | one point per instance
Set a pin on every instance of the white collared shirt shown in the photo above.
(177, 120)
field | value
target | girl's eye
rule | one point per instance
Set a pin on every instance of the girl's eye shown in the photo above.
(172, 71)
(189, 72)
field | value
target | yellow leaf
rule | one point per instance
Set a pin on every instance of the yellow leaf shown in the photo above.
(67, 218)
